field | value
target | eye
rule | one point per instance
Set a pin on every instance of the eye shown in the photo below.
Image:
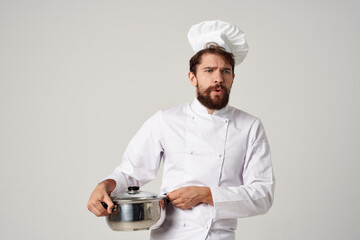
(227, 71)
(208, 70)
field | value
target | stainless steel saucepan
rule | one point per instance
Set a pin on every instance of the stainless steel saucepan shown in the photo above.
(137, 210)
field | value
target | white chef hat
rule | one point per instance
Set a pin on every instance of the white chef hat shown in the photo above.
(226, 35)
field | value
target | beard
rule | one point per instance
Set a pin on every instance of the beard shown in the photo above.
(216, 103)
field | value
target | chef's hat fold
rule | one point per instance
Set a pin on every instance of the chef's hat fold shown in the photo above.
(226, 35)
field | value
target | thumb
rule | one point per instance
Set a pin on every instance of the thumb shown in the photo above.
(110, 203)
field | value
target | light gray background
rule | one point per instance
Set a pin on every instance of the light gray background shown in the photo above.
(78, 78)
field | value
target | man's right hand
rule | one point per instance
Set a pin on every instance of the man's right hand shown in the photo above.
(101, 194)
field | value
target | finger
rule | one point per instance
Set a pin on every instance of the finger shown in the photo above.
(181, 205)
(172, 196)
(95, 210)
(162, 203)
(110, 204)
(177, 202)
(169, 196)
(101, 210)
(98, 208)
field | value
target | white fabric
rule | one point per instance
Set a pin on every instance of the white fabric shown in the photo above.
(226, 151)
(226, 35)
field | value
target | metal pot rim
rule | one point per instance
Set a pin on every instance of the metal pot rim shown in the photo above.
(137, 200)
(134, 195)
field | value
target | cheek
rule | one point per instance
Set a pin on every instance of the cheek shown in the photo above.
(205, 83)
(202, 87)
(229, 83)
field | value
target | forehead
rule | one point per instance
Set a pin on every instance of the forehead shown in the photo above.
(209, 59)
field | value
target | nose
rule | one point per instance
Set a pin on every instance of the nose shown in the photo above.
(218, 78)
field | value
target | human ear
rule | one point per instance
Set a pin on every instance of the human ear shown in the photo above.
(192, 79)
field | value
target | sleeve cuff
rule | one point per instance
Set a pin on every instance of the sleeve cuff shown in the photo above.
(120, 186)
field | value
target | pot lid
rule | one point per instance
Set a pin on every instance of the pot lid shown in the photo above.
(134, 194)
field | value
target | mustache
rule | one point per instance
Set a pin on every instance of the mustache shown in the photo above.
(217, 86)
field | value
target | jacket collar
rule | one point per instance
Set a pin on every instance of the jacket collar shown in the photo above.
(201, 109)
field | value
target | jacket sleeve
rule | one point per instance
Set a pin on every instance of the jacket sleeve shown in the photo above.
(141, 159)
(256, 195)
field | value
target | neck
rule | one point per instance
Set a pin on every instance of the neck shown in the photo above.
(210, 111)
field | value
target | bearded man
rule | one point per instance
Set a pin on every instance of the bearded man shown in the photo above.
(217, 164)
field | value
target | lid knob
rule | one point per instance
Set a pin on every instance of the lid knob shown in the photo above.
(133, 189)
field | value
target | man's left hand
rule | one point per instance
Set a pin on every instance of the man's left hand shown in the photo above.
(189, 197)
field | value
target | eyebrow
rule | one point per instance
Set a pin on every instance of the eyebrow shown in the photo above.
(225, 68)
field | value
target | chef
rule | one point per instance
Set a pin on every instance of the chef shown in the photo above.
(216, 158)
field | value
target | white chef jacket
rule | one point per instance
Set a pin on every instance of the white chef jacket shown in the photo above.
(226, 151)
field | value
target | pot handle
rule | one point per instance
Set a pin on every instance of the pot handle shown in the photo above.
(167, 200)
(106, 206)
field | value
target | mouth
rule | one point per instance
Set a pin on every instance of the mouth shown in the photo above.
(218, 90)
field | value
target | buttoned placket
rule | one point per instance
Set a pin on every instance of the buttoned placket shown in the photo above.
(189, 150)
(221, 153)
(225, 127)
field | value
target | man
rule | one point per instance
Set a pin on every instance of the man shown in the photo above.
(217, 164)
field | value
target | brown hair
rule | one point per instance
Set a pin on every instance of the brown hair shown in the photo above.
(212, 48)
